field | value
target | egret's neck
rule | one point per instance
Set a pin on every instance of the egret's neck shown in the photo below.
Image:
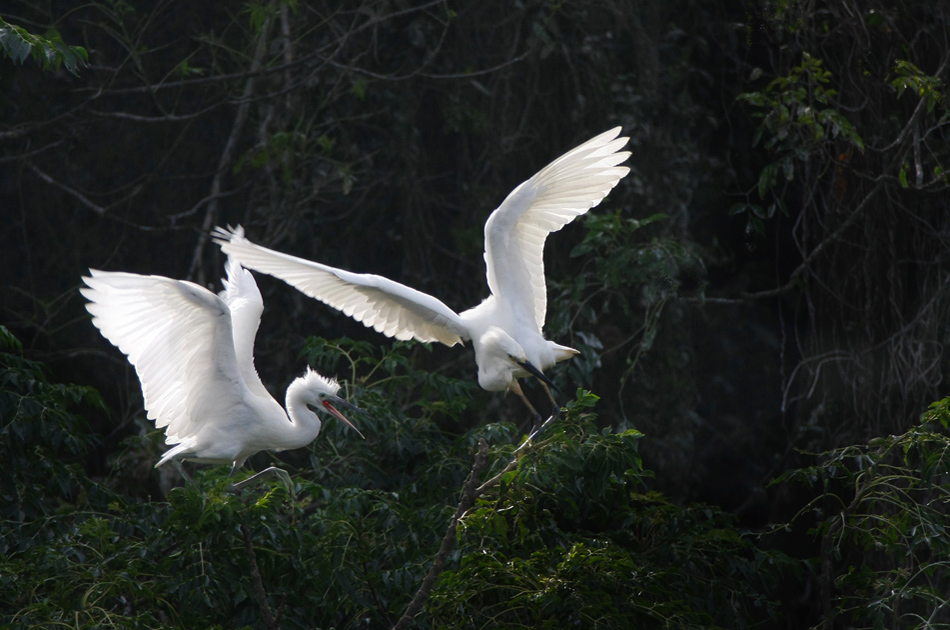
(305, 423)
(493, 352)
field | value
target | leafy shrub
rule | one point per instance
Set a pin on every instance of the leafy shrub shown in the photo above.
(882, 519)
(572, 533)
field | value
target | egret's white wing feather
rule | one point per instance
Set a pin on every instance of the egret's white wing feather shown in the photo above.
(178, 336)
(389, 307)
(243, 299)
(557, 194)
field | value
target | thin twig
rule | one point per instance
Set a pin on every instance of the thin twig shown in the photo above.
(75, 193)
(24, 156)
(239, 119)
(803, 267)
(488, 485)
(254, 72)
(468, 499)
(909, 127)
(470, 493)
(259, 591)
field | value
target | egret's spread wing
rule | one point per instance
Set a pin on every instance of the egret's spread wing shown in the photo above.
(564, 189)
(391, 308)
(178, 336)
(246, 305)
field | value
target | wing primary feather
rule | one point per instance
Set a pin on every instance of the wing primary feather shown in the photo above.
(557, 194)
(361, 296)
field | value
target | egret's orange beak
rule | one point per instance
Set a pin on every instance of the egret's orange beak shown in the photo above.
(336, 412)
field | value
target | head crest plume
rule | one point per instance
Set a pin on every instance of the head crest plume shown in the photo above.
(315, 380)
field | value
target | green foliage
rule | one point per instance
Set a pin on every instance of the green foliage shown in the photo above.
(628, 273)
(572, 533)
(573, 538)
(795, 127)
(883, 520)
(42, 439)
(910, 77)
(48, 50)
(396, 121)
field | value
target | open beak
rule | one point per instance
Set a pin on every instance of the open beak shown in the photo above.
(535, 372)
(336, 412)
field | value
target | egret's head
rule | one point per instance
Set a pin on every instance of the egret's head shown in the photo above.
(500, 347)
(500, 359)
(320, 386)
(322, 394)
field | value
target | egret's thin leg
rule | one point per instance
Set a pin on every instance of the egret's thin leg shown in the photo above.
(535, 416)
(265, 474)
(181, 470)
(557, 407)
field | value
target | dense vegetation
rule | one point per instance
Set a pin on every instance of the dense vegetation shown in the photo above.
(750, 436)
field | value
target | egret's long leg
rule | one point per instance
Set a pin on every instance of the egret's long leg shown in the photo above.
(557, 407)
(265, 474)
(181, 470)
(535, 416)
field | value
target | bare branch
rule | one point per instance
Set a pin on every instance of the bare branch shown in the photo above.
(153, 119)
(239, 119)
(468, 499)
(488, 485)
(257, 72)
(72, 191)
(23, 156)
(259, 591)
(803, 267)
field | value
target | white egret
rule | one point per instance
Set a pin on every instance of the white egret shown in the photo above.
(506, 328)
(193, 352)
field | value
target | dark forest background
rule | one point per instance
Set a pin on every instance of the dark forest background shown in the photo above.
(761, 308)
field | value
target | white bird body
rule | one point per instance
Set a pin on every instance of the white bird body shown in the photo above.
(194, 354)
(506, 328)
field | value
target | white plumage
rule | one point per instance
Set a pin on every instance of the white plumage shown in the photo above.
(506, 328)
(194, 354)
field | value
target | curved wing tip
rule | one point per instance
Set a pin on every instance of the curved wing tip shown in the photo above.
(221, 236)
(613, 134)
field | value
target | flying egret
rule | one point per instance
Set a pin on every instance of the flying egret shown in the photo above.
(193, 352)
(506, 328)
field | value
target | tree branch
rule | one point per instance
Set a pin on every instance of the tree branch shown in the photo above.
(258, 71)
(803, 267)
(488, 485)
(468, 499)
(269, 622)
(470, 493)
(239, 119)
(24, 156)
(75, 193)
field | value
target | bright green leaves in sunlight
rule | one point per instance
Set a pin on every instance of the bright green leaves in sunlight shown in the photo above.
(798, 123)
(48, 50)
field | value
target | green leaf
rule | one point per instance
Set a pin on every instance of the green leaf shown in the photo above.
(49, 51)
(767, 179)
